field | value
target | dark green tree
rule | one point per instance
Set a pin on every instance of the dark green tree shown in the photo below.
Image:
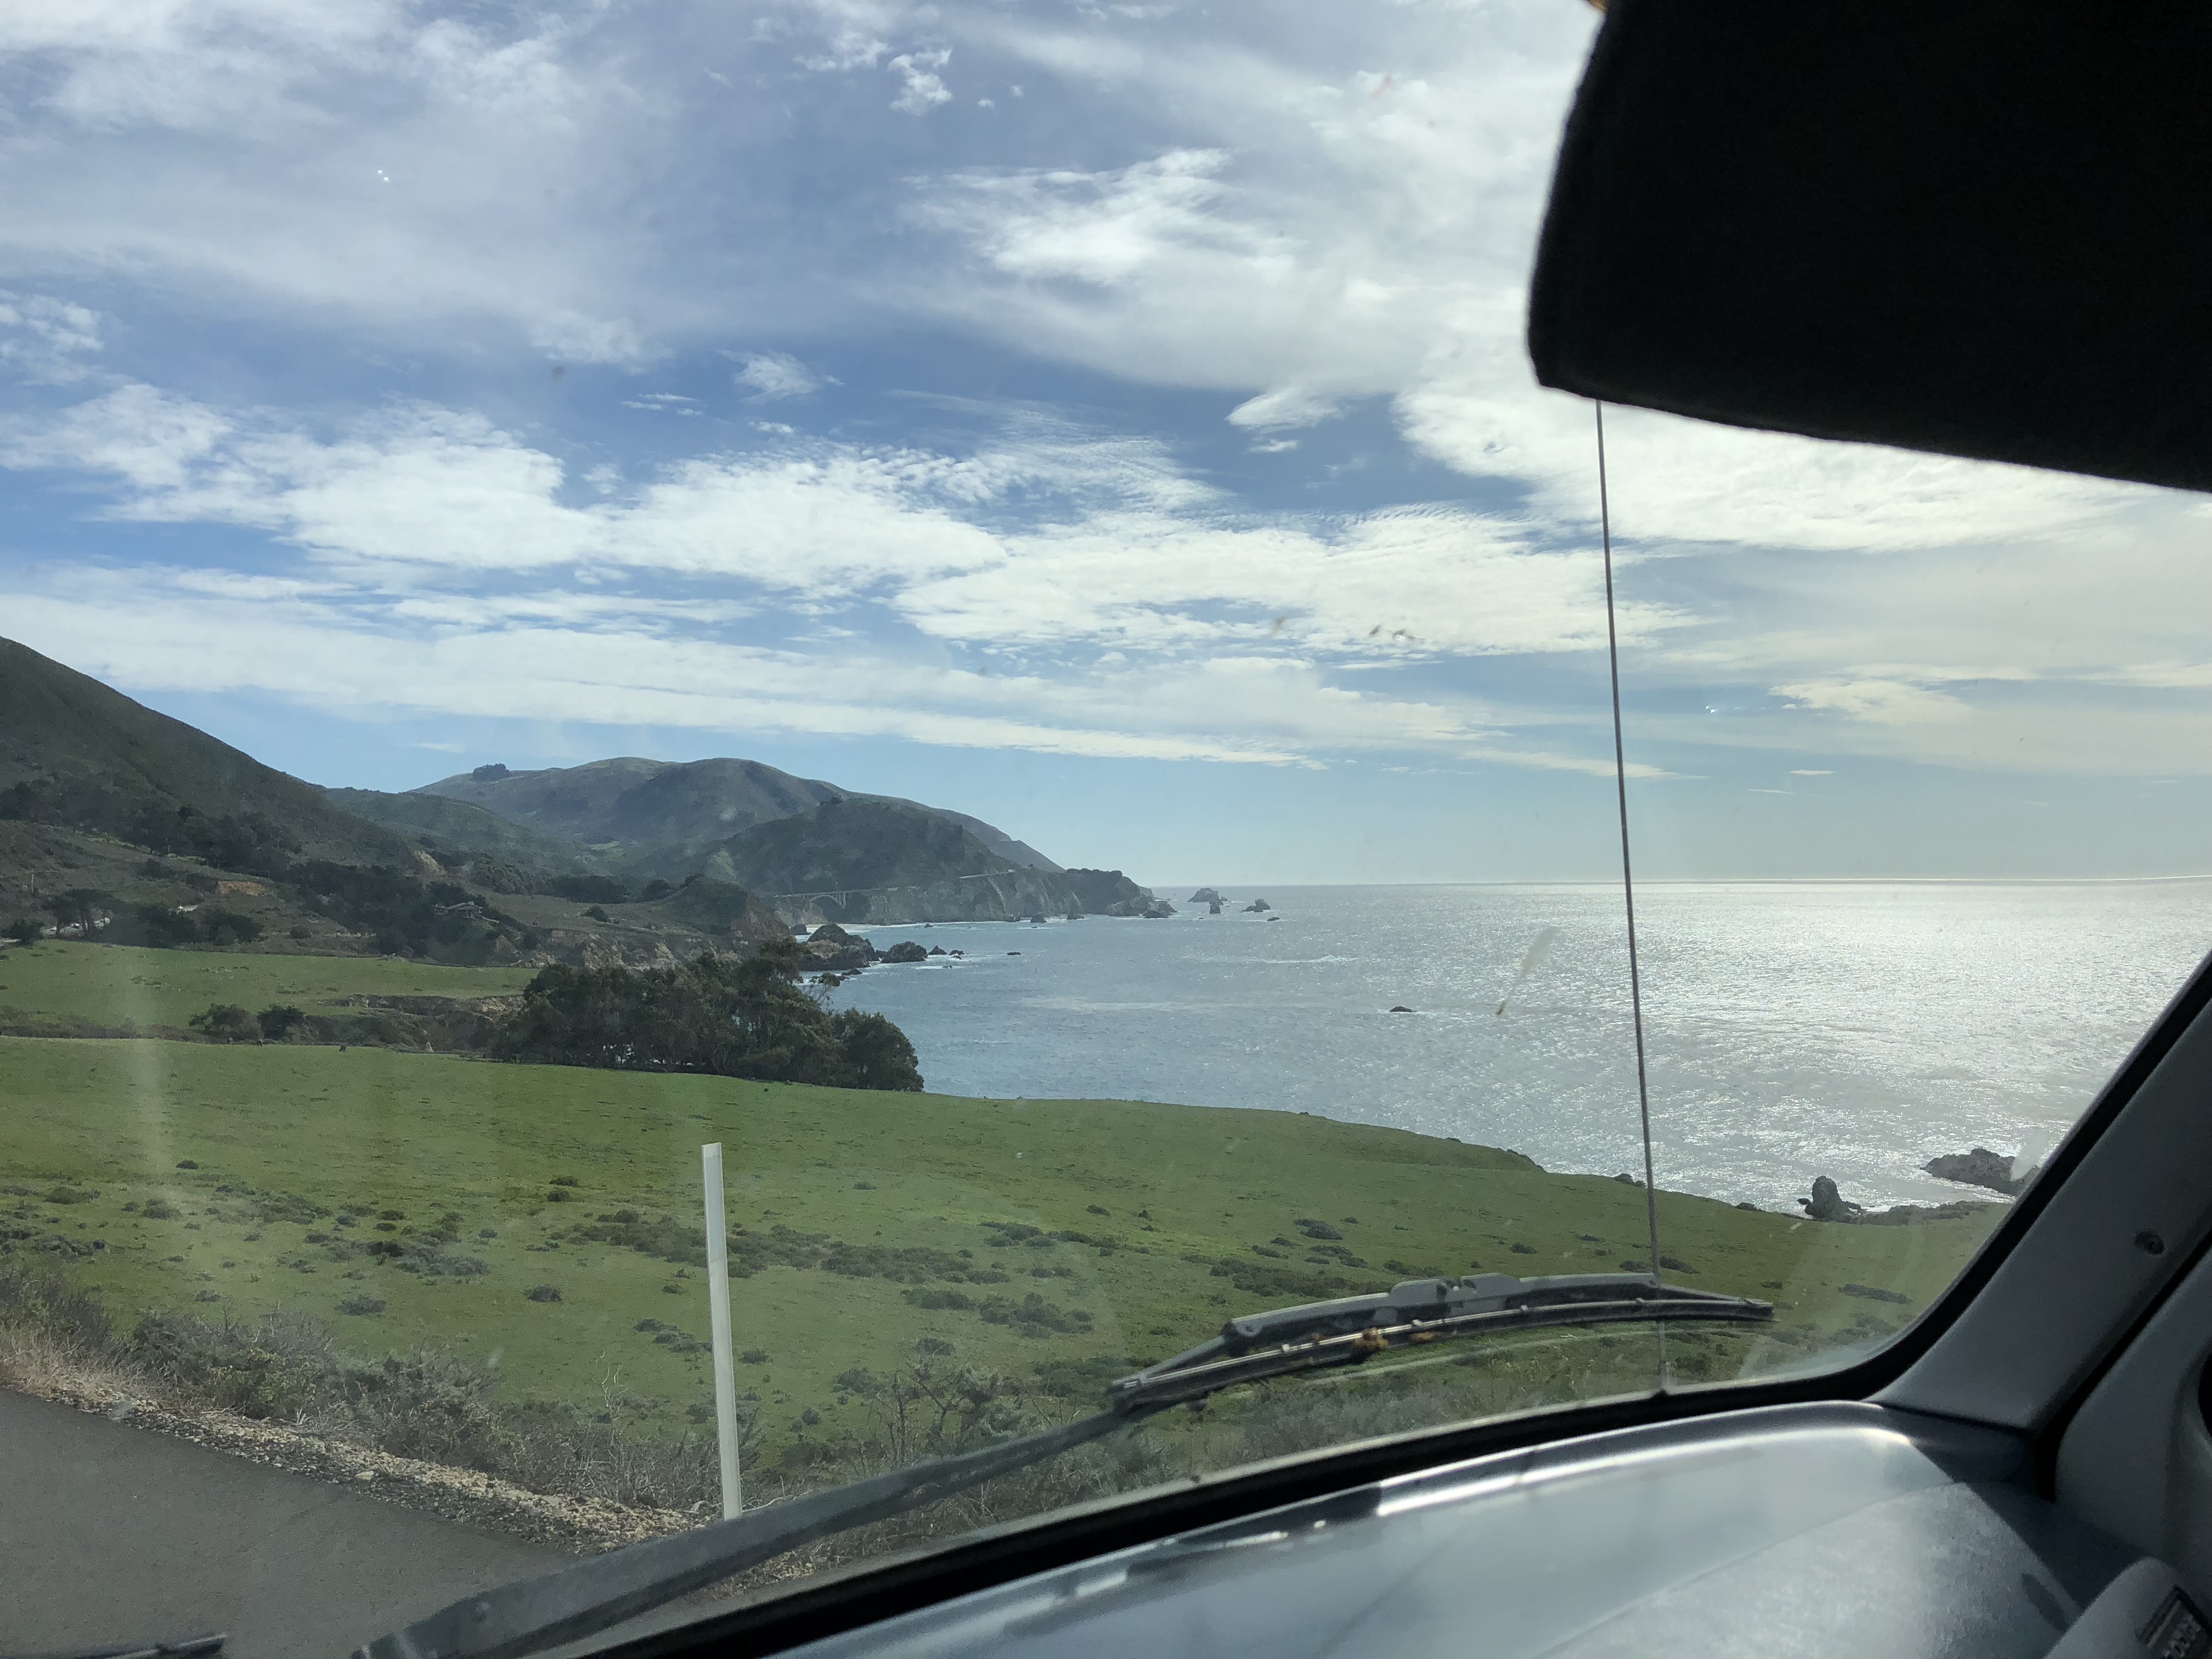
(876, 1050)
(226, 1022)
(78, 906)
(228, 927)
(279, 1020)
(733, 1017)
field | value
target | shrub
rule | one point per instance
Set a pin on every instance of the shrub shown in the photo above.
(43, 1296)
(719, 1015)
(279, 1020)
(163, 926)
(226, 1022)
(543, 1293)
(228, 927)
(362, 1302)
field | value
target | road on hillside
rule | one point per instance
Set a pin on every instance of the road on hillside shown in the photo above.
(111, 1535)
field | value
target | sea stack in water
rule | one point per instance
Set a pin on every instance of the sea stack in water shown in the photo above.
(1256, 905)
(1206, 896)
(1827, 1204)
(1980, 1167)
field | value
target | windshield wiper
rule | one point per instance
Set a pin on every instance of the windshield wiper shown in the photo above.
(193, 1647)
(1419, 1311)
(534, 1613)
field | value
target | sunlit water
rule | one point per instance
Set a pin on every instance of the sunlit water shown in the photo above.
(1846, 1030)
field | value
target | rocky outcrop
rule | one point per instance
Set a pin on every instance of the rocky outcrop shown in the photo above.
(906, 950)
(1110, 893)
(1980, 1167)
(1257, 906)
(883, 862)
(1828, 1204)
(1206, 896)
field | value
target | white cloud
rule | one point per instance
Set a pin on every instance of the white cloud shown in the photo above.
(1288, 407)
(152, 440)
(771, 375)
(357, 162)
(1890, 703)
(132, 632)
(46, 339)
(924, 89)
(1115, 544)
(1295, 214)
(426, 527)
(1104, 229)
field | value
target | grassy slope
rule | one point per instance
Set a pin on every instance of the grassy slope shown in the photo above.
(123, 985)
(426, 1133)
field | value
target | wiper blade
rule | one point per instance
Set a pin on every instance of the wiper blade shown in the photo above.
(1354, 1330)
(560, 1606)
(193, 1647)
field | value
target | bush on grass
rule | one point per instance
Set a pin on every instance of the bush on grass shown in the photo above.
(226, 1022)
(723, 1016)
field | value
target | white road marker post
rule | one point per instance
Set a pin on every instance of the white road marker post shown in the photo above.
(718, 1314)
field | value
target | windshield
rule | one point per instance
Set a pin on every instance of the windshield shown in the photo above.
(742, 750)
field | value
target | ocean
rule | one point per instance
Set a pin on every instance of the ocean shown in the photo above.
(1851, 1030)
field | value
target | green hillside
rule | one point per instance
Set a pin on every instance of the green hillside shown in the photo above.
(457, 827)
(858, 844)
(1044, 1239)
(120, 985)
(75, 752)
(631, 803)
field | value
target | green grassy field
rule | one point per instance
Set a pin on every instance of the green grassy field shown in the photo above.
(250, 1156)
(125, 985)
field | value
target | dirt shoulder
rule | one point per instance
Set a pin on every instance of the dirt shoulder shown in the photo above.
(587, 1526)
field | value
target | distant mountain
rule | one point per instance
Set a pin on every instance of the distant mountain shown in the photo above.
(625, 803)
(667, 817)
(997, 840)
(459, 829)
(493, 864)
(123, 826)
(80, 755)
(866, 859)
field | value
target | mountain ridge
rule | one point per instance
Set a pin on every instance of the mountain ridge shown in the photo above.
(658, 813)
(77, 753)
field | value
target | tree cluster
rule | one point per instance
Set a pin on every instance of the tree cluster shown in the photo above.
(229, 1021)
(731, 1017)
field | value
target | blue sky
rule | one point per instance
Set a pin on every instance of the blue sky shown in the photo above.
(1109, 419)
